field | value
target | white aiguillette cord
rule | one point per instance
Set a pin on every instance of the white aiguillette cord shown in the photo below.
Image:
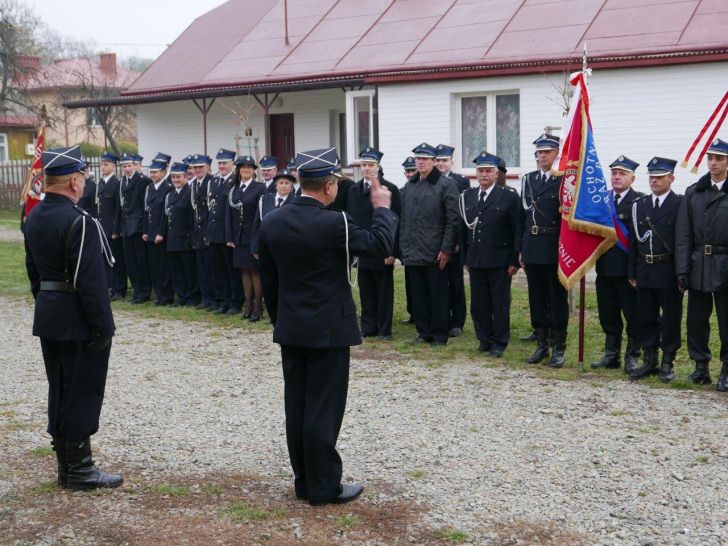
(349, 265)
(105, 247)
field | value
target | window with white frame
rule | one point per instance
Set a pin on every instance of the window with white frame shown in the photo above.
(492, 122)
(4, 154)
(359, 122)
(92, 117)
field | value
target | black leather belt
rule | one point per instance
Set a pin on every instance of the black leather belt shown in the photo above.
(56, 286)
(656, 258)
(537, 230)
(709, 250)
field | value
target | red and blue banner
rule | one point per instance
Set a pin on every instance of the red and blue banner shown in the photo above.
(587, 225)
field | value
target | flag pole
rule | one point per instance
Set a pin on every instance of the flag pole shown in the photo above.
(582, 282)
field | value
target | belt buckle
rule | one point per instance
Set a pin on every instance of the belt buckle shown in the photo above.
(649, 258)
(534, 230)
(708, 250)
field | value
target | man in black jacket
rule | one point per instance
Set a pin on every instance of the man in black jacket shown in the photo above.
(108, 204)
(547, 298)
(66, 256)
(492, 215)
(427, 237)
(376, 276)
(702, 262)
(305, 252)
(153, 234)
(132, 188)
(199, 190)
(615, 296)
(652, 271)
(455, 280)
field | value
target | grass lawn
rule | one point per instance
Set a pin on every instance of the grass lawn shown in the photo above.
(13, 282)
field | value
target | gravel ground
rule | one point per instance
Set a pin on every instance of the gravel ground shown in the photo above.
(484, 449)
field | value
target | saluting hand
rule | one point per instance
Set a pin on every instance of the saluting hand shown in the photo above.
(379, 195)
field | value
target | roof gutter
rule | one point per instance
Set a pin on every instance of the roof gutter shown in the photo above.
(429, 73)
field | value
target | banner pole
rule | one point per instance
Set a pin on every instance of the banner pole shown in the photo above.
(582, 305)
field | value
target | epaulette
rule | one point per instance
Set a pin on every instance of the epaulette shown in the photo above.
(510, 189)
(79, 209)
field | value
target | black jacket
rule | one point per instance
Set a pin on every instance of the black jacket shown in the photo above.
(614, 262)
(88, 199)
(703, 220)
(131, 209)
(304, 271)
(239, 229)
(198, 198)
(266, 204)
(494, 235)
(429, 220)
(217, 204)
(359, 207)
(53, 242)
(179, 220)
(661, 273)
(108, 203)
(154, 210)
(541, 204)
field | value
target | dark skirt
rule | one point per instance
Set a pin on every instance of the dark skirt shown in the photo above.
(242, 258)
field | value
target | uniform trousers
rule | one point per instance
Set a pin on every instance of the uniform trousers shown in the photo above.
(159, 272)
(316, 384)
(659, 318)
(490, 305)
(548, 301)
(183, 269)
(456, 288)
(76, 383)
(430, 301)
(222, 273)
(135, 256)
(204, 276)
(376, 292)
(118, 272)
(408, 290)
(700, 307)
(616, 298)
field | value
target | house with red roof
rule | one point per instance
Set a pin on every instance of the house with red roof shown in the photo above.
(276, 76)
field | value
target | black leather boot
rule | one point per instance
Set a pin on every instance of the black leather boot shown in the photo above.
(650, 366)
(542, 349)
(722, 385)
(701, 375)
(59, 448)
(666, 367)
(82, 472)
(631, 355)
(558, 342)
(612, 350)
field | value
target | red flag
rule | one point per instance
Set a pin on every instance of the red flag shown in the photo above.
(587, 226)
(34, 186)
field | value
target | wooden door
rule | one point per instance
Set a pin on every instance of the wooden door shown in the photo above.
(282, 144)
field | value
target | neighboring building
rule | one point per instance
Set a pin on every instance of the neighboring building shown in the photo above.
(478, 74)
(17, 134)
(74, 79)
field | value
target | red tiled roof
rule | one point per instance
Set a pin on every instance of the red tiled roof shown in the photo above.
(242, 41)
(73, 73)
(17, 121)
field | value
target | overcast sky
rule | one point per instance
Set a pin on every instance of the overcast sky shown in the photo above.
(130, 27)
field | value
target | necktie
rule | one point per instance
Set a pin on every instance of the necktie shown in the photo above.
(657, 203)
(242, 188)
(543, 180)
(617, 197)
(366, 187)
(481, 200)
(279, 200)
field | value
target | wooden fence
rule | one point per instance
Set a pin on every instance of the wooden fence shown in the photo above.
(13, 175)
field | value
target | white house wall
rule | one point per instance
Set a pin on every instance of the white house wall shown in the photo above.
(640, 112)
(176, 127)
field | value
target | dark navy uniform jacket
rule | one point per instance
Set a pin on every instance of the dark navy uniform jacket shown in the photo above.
(107, 194)
(359, 207)
(614, 262)
(542, 215)
(237, 230)
(179, 220)
(304, 271)
(661, 273)
(217, 204)
(495, 240)
(53, 242)
(131, 210)
(88, 199)
(199, 189)
(154, 210)
(266, 204)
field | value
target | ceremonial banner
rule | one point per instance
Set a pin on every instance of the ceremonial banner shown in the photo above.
(587, 226)
(34, 185)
